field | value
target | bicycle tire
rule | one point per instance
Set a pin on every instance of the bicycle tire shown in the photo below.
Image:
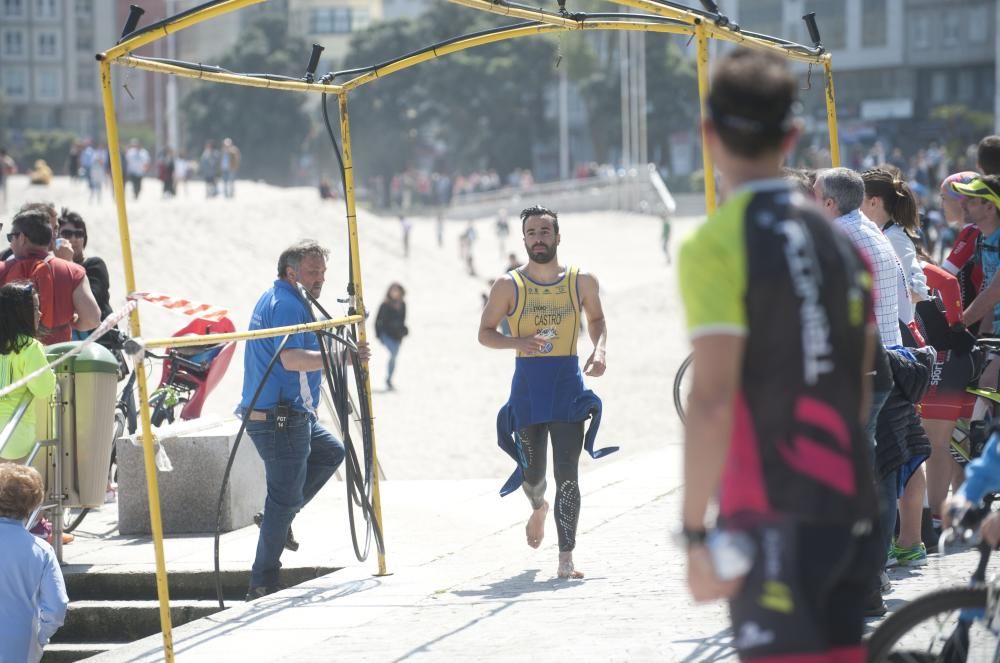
(76, 521)
(678, 379)
(916, 612)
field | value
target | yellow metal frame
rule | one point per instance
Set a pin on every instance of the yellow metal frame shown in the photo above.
(680, 22)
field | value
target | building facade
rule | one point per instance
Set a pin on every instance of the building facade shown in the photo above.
(48, 76)
(899, 65)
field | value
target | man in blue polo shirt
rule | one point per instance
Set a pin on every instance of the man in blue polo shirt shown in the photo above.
(299, 454)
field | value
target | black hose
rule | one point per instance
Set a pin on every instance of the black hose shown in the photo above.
(232, 459)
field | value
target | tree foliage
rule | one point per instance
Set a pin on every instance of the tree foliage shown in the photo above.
(268, 127)
(493, 106)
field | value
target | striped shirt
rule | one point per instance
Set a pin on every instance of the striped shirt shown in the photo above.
(889, 288)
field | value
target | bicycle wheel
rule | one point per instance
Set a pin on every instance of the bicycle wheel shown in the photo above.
(945, 625)
(682, 385)
(75, 522)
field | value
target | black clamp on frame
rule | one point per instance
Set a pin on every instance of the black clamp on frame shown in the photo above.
(313, 63)
(813, 29)
(135, 12)
(720, 19)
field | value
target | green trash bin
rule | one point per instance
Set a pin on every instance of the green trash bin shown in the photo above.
(87, 386)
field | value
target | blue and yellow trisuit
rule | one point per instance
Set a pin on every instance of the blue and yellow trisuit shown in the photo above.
(547, 386)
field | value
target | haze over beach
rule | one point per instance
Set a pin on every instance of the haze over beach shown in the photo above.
(440, 421)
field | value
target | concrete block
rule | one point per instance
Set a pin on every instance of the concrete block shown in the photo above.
(189, 494)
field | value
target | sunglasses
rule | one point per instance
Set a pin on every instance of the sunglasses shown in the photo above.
(69, 233)
(12, 235)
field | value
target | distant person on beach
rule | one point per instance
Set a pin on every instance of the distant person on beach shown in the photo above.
(665, 235)
(229, 165)
(33, 598)
(466, 246)
(137, 162)
(503, 230)
(390, 326)
(208, 168)
(543, 302)
(7, 168)
(779, 310)
(299, 453)
(405, 227)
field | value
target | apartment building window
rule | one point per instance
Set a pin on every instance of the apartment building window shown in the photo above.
(47, 9)
(13, 43)
(831, 17)
(15, 82)
(329, 20)
(13, 8)
(874, 24)
(978, 20)
(84, 38)
(84, 7)
(86, 77)
(48, 84)
(966, 85)
(47, 44)
(762, 16)
(952, 29)
(921, 31)
(359, 19)
(939, 87)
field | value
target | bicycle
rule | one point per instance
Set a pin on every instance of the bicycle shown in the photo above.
(947, 625)
(681, 387)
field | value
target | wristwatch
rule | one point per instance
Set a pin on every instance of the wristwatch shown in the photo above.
(689, 538)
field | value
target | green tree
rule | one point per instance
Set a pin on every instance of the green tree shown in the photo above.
(481, 108)
(269, 127)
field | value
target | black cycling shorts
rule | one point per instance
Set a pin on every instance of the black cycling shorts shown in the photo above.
(805, 594)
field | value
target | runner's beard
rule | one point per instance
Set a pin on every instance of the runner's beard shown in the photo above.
(544, 257)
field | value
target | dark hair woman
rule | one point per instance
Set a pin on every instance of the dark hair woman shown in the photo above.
(73, 228)
(20, 355)
(390, 326)
(890, 203)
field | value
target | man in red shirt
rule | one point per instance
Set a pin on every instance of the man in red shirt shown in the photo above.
(64, 296)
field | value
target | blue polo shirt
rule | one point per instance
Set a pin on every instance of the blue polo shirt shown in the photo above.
(280, 306)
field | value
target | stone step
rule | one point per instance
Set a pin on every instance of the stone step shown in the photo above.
(125, 621)
(95, 585)
(62, 652)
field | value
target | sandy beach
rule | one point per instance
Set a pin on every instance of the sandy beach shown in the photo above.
(439, 423)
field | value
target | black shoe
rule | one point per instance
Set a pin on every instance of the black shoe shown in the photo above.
(260, 592)
(928, 533)
(875, 606)
(290, 542)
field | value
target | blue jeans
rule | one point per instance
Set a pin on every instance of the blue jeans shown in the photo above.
(229, 183)
(392, 345)
(298, 461)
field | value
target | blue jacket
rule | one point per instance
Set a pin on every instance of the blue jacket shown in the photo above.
(586, 405)
(983, 474)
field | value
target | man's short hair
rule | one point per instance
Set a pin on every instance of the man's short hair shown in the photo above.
(751, 101)
(35, 225)
(68, 216)
(21, 490)
(988, 155)
(538, 210)
(844, 186)
(293, 255)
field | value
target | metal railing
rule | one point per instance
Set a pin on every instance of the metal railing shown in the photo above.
(54, 502)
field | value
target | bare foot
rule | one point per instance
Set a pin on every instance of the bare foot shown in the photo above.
(535, 529)
(566, 568)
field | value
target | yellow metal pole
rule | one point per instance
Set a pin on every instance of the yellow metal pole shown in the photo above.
(152, 485)
(176, 25)
(269, 332)
(706, 157)
(359, 301)
(831, 113)
(232, 79)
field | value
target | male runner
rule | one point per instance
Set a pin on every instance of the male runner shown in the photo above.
(542, 302)
(778, 306)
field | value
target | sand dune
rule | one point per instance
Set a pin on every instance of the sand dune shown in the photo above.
(440, 421)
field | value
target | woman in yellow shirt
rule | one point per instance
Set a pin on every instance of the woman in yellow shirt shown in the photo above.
(20, 355)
